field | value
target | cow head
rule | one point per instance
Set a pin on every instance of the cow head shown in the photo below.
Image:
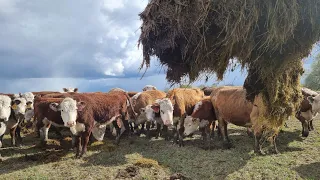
(190, 125)
(70, 90)
(165, 108)
(146, 113)
(5, 107)
(149, 88)
(315, 103)
(19, 106)
(69, 110)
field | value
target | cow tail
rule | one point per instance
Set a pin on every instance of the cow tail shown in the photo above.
(130, 102)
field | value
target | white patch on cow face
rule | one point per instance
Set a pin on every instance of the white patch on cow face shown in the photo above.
(5, 107)
(68, 108)
(197, 106)
(19, 106)
(146, 114)
(166, 111)
(190, 125)
(28, 96)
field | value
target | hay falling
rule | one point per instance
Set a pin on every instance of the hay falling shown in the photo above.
(269, 38)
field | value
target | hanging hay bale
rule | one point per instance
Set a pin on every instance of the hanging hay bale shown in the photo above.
(268, 38)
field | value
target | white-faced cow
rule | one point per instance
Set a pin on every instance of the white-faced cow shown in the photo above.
(309, 108)
(202, 117)
(140, 101)
(80, 113)
(175, 107)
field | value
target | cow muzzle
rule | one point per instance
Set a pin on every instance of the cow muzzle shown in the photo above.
(71, 124)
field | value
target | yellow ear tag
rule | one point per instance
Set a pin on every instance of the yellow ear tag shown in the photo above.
(29, 106)
(14, 107)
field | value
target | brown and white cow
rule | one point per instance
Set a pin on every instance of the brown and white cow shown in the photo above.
(45, 117)
(202, 117)
(309, 108)
(140, 101)
(175, 107)
(82, 111)
(12, 125)
(231, 106)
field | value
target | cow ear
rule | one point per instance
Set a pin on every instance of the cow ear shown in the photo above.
(142, 110)
(310, 99)
(75, 90)
(54, 107)
(65, 89)
(81, 105)
(156, 108)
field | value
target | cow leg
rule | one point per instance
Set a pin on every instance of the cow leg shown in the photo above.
(78, 145)
(249, 132)
(165, 132)
(118, 130)
(142, 128)
(208, 135)
(13, 136)
(223, 128)
(131, 127)
(84, 141)
(310, 126)
(158, 130)
(152, 124)
(148, 124)
(275, 145)
(305, 128)
(258, 144)
(57, 132)
(18, 135)
(180, 132)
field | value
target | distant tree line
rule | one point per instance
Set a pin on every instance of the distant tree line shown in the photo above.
(312, 80)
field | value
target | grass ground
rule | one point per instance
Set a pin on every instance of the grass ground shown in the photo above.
(158, 159)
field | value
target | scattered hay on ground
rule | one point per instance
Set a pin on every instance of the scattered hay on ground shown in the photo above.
(128, 172)
(147, 163)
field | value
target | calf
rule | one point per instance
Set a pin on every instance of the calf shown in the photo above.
(140, 101)
(202, 117)
(45, 117)
(18, 108)
(308, 110)
(80, 113)
(175, 107)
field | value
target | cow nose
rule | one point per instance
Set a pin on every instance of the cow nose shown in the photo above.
(167, 122)
(70, 124)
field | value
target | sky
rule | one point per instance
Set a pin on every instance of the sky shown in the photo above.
(92, 45)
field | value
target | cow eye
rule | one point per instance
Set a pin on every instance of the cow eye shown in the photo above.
(162, 112)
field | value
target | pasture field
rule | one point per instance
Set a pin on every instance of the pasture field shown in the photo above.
(140, 158)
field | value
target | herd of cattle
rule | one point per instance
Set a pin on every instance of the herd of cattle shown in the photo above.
(183, 111)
